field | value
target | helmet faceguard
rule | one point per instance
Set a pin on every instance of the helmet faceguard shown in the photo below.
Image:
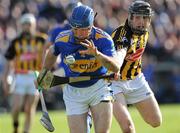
(139, 18)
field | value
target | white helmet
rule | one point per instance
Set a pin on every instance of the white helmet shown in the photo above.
(28, 18)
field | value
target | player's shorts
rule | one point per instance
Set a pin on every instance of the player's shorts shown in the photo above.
(24, 84)
(135, 90)
(78, 100)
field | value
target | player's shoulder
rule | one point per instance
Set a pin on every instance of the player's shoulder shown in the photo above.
(40, 35)
(18, 38)
(56, 30)
(118, 30)
(63, 36)
(100, 34)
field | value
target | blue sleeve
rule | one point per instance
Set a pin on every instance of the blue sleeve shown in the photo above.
(56, 49)
(52, 35)
(107, 46)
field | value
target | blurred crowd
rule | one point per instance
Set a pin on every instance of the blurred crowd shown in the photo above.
(161, 61)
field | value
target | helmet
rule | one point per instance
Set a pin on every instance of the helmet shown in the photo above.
(71, 6)
(28, 18)
(82, 16)
(141, 8)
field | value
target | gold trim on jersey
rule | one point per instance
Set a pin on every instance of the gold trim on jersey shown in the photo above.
(99, 36)
(63, 39)
(85, 66)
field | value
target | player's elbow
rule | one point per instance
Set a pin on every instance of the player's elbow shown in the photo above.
(115, 68)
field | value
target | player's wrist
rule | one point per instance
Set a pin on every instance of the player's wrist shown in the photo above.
(44, 79)
(97, 53)
(41, 75)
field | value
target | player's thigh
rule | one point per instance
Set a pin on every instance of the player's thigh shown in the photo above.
(32, 96)
(150, 111)
(102, 116)
(77, 123)
(121, 112)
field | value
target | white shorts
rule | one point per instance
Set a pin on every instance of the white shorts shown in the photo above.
(24, 84)
(135, 90)
(78, 100)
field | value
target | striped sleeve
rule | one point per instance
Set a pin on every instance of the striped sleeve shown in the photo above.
(117, 37)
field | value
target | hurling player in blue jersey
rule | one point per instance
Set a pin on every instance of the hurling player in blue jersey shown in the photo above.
(53, 33)
(51, 40)
(94, 54)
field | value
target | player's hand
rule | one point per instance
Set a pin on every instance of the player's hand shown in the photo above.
(36, 81)
(36, 85)
(116, 76)
(44, 79)
(91, 48)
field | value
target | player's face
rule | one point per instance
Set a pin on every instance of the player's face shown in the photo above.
(28, 28)
(82, 33)
(141, 22)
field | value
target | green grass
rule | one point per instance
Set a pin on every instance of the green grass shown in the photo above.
(171, 122)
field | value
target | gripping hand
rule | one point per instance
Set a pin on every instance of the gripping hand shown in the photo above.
(44, 79)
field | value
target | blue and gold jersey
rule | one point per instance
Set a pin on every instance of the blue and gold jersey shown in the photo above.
(55, 31)
(85, 65)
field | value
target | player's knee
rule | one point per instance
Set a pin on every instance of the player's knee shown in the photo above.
(28, 111)
(102, 131)
(129, 128)
(15, 111)
(156, 122)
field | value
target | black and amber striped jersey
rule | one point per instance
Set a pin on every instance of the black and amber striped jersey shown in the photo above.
(27, 52)
(123, 37)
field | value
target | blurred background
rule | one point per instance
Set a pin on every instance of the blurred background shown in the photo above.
(161, 60)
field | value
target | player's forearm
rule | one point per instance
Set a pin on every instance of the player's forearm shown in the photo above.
(109, 62)
(5, 75)
(121, 55)
(50, 60)
(6, 71)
